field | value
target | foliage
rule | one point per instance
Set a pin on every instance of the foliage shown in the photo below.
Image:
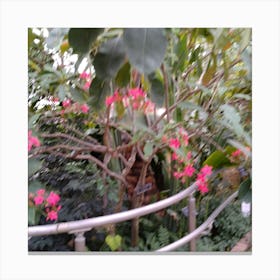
(229, 227)
(111, 107)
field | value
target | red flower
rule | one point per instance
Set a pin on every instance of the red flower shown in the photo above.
(174, 156)
(84, 108)
(66, 103)
(189, 170)
(87, 85)
(174, 143)
(206, 170)
(53, 199)
(84, 75)
(52, 215)
(41, 192)
(109, 100)
(236, 153)
(136, 93)
(38, 200)
(178, 175)
(32, 141)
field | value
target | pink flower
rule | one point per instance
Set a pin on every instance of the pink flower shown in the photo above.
(84, 75)
(149, 106)
(136, 93)
(135, 105)
(52, 215)
(236, 153)
(189, 155)
(53, 199)
(178, 175)
(189, 170)
(32, 141)
(174, 156)
(41, 192)
(87, 85)
(109, 100)
(66, 103)
(164, 139)
(38, 200)
(84, 108)
(174, 143)
(206, 170)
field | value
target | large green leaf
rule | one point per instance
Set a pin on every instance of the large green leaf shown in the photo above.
(110, 57)
(33, 166)
(145, 48)
(123, 76)
(98, 90)
(157, 89)
(217, 159)
(81, 39)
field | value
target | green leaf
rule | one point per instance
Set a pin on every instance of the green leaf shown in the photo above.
(55, 37)
(123, 76)
(181, 52)
(209, 74)
(148, 149)
(110, 57)
(217, 159)
(231, 119)
(113, 241)
(145, 48)
(81, 39)
(35, 185)
(32, 120)
(98, 90)
(157, 89)
(120, 109)
(61, 92)
(78, 95)
(31, 216)
(245, 191)
(33, 166)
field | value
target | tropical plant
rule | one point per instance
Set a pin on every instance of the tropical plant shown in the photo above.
(122, 117)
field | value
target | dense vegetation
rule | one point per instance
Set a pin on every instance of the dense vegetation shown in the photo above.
(120, 118)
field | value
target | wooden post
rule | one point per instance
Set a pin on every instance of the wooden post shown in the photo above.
(192, 221)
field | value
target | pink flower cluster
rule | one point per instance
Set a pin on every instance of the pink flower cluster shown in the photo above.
(135, 98)
(32, 141)
(49, 203)
(86, 77)
(74, 107)
(201, 179)
(185, 166)
(180, 141)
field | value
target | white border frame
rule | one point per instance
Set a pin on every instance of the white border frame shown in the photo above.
(17, 16)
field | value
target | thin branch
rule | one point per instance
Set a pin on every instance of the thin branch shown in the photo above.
(166, 100)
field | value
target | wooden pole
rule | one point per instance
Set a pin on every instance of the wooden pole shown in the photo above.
(192, 221)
